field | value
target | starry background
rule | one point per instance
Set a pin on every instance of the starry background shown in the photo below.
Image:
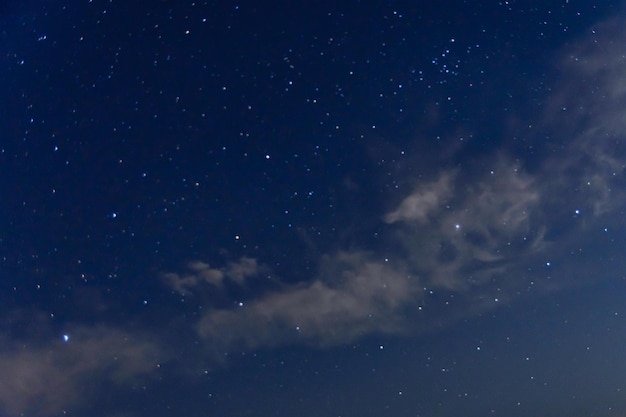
(312, 208)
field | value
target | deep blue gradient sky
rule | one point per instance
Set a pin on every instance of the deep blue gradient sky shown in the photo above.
(316, 209)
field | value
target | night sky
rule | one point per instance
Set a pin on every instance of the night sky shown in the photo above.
(312, 208)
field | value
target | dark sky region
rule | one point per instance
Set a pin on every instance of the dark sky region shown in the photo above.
(311, 208)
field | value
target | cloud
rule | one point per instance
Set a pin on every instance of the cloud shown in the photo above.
(584, 119)
(355, 296)
(201, 275)
(424, 201)
(245, 268)
(44, 378)
(481, 224)
(457, 235)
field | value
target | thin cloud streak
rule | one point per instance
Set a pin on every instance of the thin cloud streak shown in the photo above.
(482, 226)
(357, 297)
(425, 201)
(201, 275)
(44, 378)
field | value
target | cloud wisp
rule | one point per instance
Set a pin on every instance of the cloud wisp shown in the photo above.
(357, 296)
(44, 378)
(201, 275)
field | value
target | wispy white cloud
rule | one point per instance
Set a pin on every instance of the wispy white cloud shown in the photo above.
(585, 121)
(42, 378)
(200, 275)
(480, 225)
(354, 296)
(425, 201)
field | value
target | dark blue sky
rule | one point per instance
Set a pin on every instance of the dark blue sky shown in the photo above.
(312, 208)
